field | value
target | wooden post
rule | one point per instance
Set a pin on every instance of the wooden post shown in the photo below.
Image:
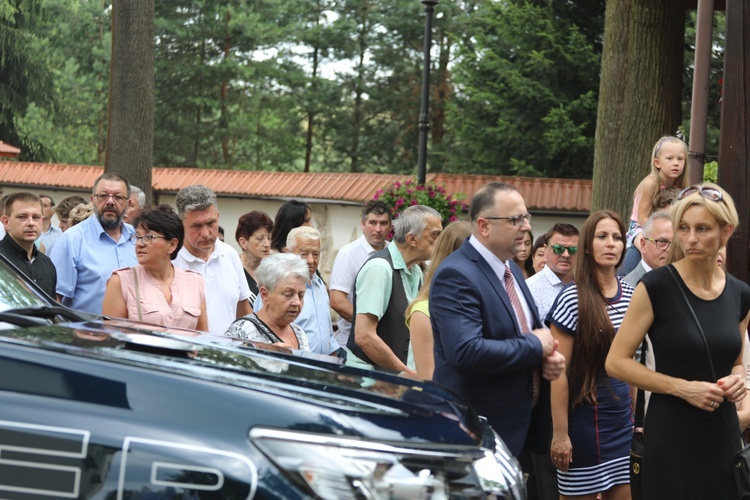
(734, 149)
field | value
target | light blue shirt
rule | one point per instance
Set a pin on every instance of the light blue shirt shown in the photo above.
(85, 256)
(49, 238)
(315, 317)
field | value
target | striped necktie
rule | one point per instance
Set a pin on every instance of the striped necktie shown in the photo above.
(510, 288)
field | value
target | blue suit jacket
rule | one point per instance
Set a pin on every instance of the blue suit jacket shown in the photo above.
(480, 352)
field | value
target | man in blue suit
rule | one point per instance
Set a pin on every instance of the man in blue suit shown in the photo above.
(490, 345)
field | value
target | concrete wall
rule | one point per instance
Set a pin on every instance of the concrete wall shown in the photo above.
(338, 223)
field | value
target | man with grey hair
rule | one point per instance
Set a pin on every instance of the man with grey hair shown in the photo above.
(86, 254)
(655, 241)
(385, 286)
(135, 205)
(227, 292)
(315, 316)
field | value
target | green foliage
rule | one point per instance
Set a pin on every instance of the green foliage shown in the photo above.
(526, 84)
(253, 84)
(72, 126)
(711, 172)
(399, 196)
(24, 77)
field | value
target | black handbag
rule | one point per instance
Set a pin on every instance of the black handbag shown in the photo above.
(636, 443)
(741, 458)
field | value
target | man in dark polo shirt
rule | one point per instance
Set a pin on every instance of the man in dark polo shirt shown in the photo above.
(22, 219)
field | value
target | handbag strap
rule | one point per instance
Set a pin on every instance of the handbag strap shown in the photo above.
(262, 328)
(137, 293)
(640, 398)
(708, 350)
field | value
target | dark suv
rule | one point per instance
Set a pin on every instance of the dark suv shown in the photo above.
(91, 408)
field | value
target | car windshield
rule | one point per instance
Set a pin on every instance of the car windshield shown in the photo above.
(15, 292)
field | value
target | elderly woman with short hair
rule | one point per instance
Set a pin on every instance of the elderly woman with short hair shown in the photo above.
(281, 279)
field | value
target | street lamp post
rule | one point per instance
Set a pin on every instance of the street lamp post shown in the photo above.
(424, 111)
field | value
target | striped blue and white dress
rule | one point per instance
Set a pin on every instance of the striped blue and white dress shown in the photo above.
(600, 434)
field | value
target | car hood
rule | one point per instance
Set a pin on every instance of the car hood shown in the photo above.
(355, 395)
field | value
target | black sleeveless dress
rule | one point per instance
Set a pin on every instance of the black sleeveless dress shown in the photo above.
(688, 451)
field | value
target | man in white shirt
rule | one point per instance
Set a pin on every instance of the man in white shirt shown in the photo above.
(376, 224)
(561, 245)
(227, 292)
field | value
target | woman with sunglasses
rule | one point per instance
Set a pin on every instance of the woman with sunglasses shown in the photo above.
(155, 291)
(696, 316)
(591, 417)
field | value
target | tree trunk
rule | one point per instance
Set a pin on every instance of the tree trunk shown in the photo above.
(130, 133)
(735, 133)
(310, 112)
(101, 121)
(639, 94)
(358, 112)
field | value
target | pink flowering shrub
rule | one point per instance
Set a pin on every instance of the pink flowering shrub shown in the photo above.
(400, 195)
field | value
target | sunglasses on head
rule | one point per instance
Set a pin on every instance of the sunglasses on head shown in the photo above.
(560, 249)
(707, 192)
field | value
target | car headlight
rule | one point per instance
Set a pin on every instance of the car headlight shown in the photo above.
(349, 468)
(499, 472)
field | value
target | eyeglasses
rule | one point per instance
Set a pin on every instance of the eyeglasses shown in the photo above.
(660, 243)
(515, 220)
(146, 239)
(560, 249)
(707, 192)
(101, 198)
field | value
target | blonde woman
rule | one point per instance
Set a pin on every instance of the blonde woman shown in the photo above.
(696, 316)
(418, 314)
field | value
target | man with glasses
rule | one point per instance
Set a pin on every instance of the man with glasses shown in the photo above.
(656, 239)
(86, 254)
(490, 345)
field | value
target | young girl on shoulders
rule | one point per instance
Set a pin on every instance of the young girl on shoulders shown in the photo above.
(667, 171)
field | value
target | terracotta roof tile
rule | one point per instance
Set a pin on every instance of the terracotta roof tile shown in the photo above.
(7, 150)
(540, 194)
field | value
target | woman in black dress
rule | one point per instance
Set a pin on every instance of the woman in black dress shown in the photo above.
(691, 430)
